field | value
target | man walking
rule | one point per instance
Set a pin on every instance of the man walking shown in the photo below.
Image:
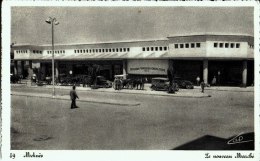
(73, 97)
(202, 84)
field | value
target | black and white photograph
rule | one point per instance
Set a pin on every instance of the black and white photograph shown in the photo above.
(178, 78)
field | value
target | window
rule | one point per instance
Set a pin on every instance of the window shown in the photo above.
(221, 45)
(165, 48)
(215, 45)
(96, 50)
(156, 48)
(33, 51)
(237, 45)
(100, 50)
(176, 46)
(75, 51)
(147, 49)
(187, 45)
(181, 45)
(226, 45)
(151, 48)
(106, 50)
(128, 49)
(232, 45)
(110, 50)
(103, 50)
(89, 50)
(93, 50)
(64, 51)
(124, 49)
(160, 48)
(143, 48)
(192, 45)
(116, 49)
(121, 49)
(198, 45)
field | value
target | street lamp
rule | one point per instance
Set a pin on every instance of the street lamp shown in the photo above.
(53, 22)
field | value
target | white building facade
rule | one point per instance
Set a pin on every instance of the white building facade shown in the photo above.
(230, 58)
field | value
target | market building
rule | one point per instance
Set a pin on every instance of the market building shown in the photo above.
(230, 58)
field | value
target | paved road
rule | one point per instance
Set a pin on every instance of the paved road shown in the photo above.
(157, 123)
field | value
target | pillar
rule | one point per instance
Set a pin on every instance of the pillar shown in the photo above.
(124, 68)
(205, 71)
(57, 69)
(15, 68)
(244, 73)
(30, 70)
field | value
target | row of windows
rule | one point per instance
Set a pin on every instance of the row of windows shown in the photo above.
(161, 48)
(187, 45)
(226, 45)
(102, 50)
(56, 51)
(37, 51)
(21, 51)
(251, 46)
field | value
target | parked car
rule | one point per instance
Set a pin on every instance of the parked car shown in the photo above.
(162, 84)
(184, 83)
(102, 82)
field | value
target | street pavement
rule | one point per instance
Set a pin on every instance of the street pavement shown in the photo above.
(132, 121)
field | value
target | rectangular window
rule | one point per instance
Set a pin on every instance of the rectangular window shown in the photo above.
(124, 49)
(110, 50)
(187, 45)
(156, 48)
(221, 45)
(128, 49)
(143, 48)
(96, 50)
(192, 45)
(121, 49)
(33, 51)
(89, 50)
(64, 51)
(77, 51)
(151, 48)
(226, 45)
(176, 46)
(181, 45)
(86, 50)
(237, 45)
(58, 51)
(147, 49)
(113, 50)
(160, 48)
(165, 48)
(232, 45)
(215, 45)
(197, 45)
(103, 50)
(80, 51)
(117, 50)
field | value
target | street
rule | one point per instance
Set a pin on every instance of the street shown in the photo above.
(157, 123)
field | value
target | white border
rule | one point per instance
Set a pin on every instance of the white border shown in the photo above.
(115, 155)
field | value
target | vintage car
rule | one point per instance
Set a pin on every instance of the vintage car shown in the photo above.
(184, 83)
(162, 84)
(102, 82)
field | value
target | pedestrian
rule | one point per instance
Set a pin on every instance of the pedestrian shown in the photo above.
(202, 84)
(214, 81)
(198, 80)
(73, 97)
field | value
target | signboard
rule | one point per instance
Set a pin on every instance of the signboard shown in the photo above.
(147, 67)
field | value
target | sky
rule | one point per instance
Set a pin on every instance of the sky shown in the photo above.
(108, 24)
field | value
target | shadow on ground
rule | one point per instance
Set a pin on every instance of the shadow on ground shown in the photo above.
(209, 142)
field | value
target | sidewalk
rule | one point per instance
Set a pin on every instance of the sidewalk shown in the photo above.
(188, 93)
(67, 97)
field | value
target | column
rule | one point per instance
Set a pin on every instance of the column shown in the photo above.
(124, 67)
(30, 70)
(244, 73)
(56, 69)
(205, 71)
(15, 68)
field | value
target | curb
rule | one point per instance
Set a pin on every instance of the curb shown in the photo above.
(58, 98)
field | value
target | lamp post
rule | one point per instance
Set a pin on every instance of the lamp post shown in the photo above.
(53, 22)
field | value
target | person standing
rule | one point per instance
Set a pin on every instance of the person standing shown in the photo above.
(198, 80)
(73, 97)
(202, 84)
(214, 81)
